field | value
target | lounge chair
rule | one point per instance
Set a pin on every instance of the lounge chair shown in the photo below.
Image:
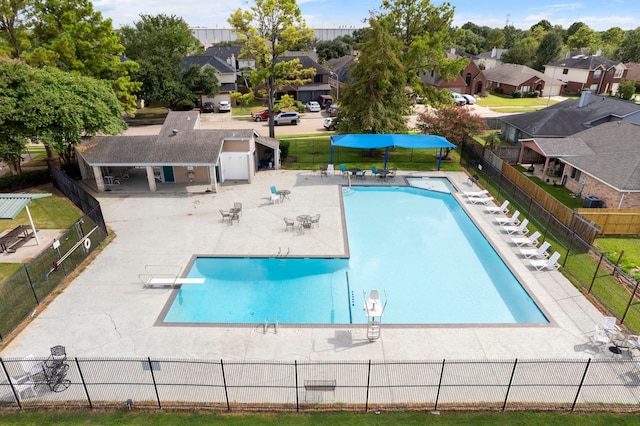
(477, 194)
(540, 252)
(520, 229)
(600, 337)
(480, 200)
(531, 240)
(498, 209)
(610, 327)
(315, 220)
(551, 263)
(289, 223)
(513, 220)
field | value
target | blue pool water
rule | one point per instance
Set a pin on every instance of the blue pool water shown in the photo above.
(419, 247)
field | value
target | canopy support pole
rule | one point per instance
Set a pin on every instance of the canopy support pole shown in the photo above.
(33, 227)
(386, 157)
(440, 159)
(331, 154)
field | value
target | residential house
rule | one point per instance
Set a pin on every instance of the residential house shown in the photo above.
(633, 72)
(469, 81)
(509, 78)
(225, 73)
(340, 73)
(601, 162)
(231, 55)
(490, 59)
(568, 117)
(182, 153)
(586, 72)
(308, 91)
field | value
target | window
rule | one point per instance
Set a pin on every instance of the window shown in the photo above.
(594, 88)
(597, 74)
(618, 73)
(565, 71)
(575, 174)
(468, 79)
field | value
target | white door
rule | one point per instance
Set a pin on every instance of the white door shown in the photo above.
(235, 165)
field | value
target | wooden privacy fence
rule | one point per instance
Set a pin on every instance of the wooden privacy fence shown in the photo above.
(614, 221)
(559, 210)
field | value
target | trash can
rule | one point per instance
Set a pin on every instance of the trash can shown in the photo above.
(592, 202)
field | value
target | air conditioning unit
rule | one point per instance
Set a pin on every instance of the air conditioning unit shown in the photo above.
(592, 202)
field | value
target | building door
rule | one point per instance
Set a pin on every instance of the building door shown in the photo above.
(168, 174)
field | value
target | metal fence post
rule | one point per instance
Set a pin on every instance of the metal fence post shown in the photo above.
(366, 404)
(595, 274)
(568, 249)
(513, 372)
(584, 375)
(631, 299)
(15, 393)
(224, 382)
(439, 385)
(33, 290)
(84, 385)
(153, 377)
(295, 365)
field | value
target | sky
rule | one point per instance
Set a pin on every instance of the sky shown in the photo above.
(599, 15)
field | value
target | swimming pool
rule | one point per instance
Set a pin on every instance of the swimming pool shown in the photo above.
(419, 247)
(432, 183)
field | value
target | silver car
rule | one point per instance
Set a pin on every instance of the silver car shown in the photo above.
(286, 118)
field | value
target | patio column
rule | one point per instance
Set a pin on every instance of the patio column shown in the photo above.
(97, 172)
(544, 169)
(151, 179)
(521, 156)
(212, 178)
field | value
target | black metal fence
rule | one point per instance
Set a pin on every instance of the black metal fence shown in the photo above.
(597, 275)
(567, 385)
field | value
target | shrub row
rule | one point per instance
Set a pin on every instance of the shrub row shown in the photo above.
(9, 183)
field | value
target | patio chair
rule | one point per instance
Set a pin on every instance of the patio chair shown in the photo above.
(30, 367)
(540, 252)
(531, 240)
(599, 337)
(374, 171)
(289, 223)
(361, 175)
(513, 220)
(498, 209)
(520, 229)
(551, 263)
(315, 220)
(238, 207)
(225, 215)
(392, 173)
(633, 342)
(610, 327)
(343, 170)
(476, 194)
(480, 200)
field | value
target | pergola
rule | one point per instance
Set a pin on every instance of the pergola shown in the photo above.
(373, 141)
(12, 204)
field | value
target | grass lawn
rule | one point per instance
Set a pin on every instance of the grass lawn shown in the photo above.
(283, 419)
(494, 100)
(613, 247)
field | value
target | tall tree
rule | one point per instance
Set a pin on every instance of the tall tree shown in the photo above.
(470, 42)
(425, 33)
(585, 37)
(549, 50)
(611, 41)
(454, 123)
(630, 48)
(511, 36)
(523, 53)
(495, 39)
(268, 30)
(14, 30)
(159, 43)
(376, 102)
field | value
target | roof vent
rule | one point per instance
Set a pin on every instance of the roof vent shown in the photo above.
(175, 132)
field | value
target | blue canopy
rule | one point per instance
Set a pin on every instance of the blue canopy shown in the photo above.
(390, 140)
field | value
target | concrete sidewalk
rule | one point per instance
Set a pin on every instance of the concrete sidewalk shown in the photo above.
(107, 312)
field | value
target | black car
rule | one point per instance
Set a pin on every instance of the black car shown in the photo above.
(208, 107)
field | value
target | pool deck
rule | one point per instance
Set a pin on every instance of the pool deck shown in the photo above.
(107, 312)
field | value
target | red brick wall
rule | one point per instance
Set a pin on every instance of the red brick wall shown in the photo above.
(607, 194)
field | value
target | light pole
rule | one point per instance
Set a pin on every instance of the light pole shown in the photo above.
(335, 76)
(553, 80)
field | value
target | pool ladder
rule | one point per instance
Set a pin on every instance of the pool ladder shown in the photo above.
(265, 327)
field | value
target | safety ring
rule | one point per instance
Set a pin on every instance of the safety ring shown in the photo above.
(87, 243)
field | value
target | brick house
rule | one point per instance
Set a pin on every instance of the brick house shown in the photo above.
(469, 81)
(586, 72)
(511, 77)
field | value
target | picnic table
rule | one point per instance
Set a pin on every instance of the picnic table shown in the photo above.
(14, 239)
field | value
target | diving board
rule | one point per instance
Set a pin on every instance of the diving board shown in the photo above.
(166, 276)
(171, 282)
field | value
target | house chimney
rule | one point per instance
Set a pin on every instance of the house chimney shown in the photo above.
(584, 98)
(598, 53)
(175, 132)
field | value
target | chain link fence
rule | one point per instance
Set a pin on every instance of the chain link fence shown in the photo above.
(566, 385)
(597, 276)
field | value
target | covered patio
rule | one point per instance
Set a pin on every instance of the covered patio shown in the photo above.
(553, 149)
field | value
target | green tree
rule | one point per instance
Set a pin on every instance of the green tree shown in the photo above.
(159, 43)
(470, 42)
(585, 37)
(573, 28)
(544, 24)
(630, 48)
(511, 35)
(523, 53)
(14, 30)
(376, 101)
(549, 50)
(626, 90)
(71, 36)
(495, 39)
(332, 49)
(611, 41)
(454, 123)
(268, 30)
(199, 81)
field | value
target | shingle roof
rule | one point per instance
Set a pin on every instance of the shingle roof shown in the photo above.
(616, 155)
(567, 118)
(217, 63)
(512, 74)
(222, 51)
(557, 147)
(490, 55)
(180, 142)
(585, 62)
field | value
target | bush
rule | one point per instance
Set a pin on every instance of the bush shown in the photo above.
(24, 180)
(533, 94)
(516, 94)
(185, 105)
(498, 90)
(284, 149)
(299, 106)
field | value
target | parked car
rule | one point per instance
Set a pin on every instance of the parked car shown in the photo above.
(459, 99)
(471, 100)
(224, 106)
(286, 118)
(332, 110)
(328, 123)
(207, 107)
(324, 101)
(313, 106)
